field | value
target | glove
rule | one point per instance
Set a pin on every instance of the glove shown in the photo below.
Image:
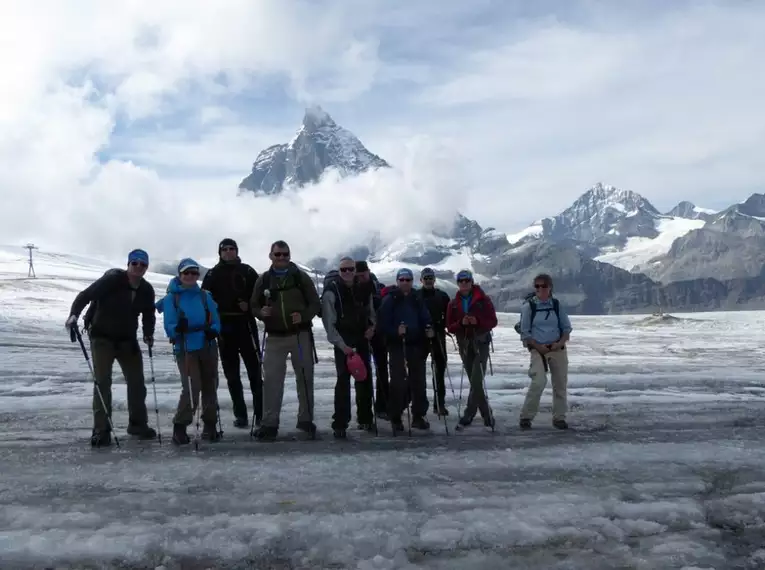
(148, 341)
(210, 334)
(182, 326)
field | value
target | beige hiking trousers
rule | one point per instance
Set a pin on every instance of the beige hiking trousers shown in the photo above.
(558, 364)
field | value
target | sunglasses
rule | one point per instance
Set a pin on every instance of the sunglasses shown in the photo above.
(280, 253)
(347, 269)
(541, 286)
(190, 272)
(139, 264)
(228, 248)
(428, 278)
(464, 280)
(404, 280)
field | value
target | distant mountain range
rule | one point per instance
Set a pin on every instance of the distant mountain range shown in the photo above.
(610, 251)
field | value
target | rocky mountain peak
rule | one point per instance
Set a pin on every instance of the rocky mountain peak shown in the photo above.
(690, 211)
(320, 144)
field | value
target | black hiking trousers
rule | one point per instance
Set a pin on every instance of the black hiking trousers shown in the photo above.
(408, 382)
(342, 415)
(235, 340)
(380, 354)
(436, 348)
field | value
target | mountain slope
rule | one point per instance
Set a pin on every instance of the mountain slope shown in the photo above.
(319, 144)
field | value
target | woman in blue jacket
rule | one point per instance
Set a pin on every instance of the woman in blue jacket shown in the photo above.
(192, 323)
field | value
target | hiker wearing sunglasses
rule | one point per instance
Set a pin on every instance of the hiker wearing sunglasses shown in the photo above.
(192, 323)
(348, 315)
(471, 317)
(231, 283)
(545, 329)
(437, 302)
(285, 299)
(116, 300)
(405, 321)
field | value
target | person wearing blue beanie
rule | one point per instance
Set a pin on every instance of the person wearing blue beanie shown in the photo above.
(116, 299)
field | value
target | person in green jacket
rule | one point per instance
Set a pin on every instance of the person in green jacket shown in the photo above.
(286, 300)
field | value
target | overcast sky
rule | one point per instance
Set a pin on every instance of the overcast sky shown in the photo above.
(127, 124)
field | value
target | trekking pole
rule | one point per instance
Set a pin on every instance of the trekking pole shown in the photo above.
(76, 336)
(476, 348)
(435, 387)
(446, 369)
(261, 354)
(154, 389)
(408, 386)
(373, 371)
(462, 378)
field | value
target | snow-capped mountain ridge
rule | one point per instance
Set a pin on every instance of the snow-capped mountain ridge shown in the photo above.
(320, 144)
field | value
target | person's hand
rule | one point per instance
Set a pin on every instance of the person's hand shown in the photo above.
(348, 351)
(148, 340)
(71, 321)
(541, 349)
(556, 346)
(243, 306)
(296, 318)
(465, 321)
(401, 329)
(369, 333)
(473, 321)
(266, 311)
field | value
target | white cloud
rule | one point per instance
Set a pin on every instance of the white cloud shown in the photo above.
(506, 118)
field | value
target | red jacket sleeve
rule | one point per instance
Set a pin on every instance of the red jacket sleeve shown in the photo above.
(486, 316)
(452, 318)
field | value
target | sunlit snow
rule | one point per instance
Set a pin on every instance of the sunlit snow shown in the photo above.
(665, 472)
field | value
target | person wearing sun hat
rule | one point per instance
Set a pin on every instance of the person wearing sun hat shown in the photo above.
(116, 299)
(192, 323)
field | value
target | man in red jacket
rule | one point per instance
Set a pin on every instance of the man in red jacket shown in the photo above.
(471, 317)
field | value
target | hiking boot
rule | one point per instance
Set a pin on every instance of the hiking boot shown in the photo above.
(180, 437)
(560, 424)
(340, 433)
(465, 421)
(307, 427)
(210, 433)
(266, 433)
(101, 439)
(489, 422)
(420, 423)
(525, 424)
(141, 431)
(365, 427)
(397, 425)
(383, 415)
(241, 422)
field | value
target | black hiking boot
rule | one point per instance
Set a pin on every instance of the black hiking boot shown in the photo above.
(441, 410)
(420, 423)
(210, 433)
(365, 427)
(397, 425)
(560, 424)
(340, 433)
(101, 439)
(489, 422)
(383, 415)
(180, 437)
(266, 433)
(241, 422)
(141, 431)
(465, 421)
(525, 424)
(307, 427)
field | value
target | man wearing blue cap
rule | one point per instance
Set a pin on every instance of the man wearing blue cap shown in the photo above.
(117, 299)
(406, 324)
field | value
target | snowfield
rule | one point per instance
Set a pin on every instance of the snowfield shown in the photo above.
(665, 469)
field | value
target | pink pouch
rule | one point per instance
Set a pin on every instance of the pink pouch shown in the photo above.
(356, 367)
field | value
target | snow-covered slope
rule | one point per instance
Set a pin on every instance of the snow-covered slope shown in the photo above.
(639, 250)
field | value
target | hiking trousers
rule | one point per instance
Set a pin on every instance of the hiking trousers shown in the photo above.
(299, 348)
(342, 415)
(200, 368)
(557, 362)
(436, 348)
(475, 358)
(237, 339)
(407, 381)
(380, 354)
(128, 355)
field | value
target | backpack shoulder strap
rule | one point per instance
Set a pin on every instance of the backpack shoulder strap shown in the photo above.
(556, 308)
(177, 305)
(533, 307)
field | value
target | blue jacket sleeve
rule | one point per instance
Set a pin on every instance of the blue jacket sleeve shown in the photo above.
(170, 316)
(565, 322)
(525, 321)
(385, 318)
(212, 306)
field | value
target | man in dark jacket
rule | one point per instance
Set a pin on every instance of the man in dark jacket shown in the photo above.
(231, 284)
(348, 316)
(405, 322)
(471, 317)
(285, 299)
(436, 301)
(119, 297)
(368, 282)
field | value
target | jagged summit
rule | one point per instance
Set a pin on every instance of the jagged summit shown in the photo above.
(319, 144)
(691, 211)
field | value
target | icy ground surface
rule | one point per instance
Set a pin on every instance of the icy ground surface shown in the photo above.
(667, 470)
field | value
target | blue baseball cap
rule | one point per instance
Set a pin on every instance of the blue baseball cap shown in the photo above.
(187, 263)
(138, 255)
(404, 273)
(465, 274)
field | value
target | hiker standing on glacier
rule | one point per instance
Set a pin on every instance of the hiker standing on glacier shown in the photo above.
(545, 329)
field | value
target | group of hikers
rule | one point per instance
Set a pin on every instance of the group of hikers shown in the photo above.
(381, 333)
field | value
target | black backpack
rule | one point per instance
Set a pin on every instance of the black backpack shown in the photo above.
(530, 299)
(331, 279)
